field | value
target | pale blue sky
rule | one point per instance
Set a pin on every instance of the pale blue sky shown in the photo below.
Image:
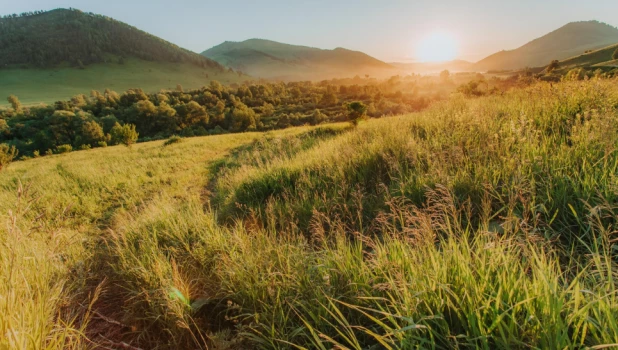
(387, 29)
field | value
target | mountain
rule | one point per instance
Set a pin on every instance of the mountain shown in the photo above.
(44, 54)
(434, 67)
(570, 40)
(272, 60)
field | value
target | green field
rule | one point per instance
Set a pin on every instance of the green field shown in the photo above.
(34, 86)
(480, 223)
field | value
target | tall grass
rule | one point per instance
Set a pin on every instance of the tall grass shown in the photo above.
(483, 223)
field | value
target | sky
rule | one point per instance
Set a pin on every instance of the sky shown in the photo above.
(389, 30)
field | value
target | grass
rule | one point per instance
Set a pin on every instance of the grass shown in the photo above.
(480, 223)
(596, 58)
(34, 86)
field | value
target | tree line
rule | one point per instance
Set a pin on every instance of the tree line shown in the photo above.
(97, 120)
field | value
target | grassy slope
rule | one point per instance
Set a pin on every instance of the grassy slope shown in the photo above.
(49, 85)
(600, 58)
(476, 202)
(567, 41)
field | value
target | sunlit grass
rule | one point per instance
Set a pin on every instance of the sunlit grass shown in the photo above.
(484, 223)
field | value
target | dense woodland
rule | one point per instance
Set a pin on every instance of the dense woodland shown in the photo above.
(84, 122)
(93, 121)
(47, 39)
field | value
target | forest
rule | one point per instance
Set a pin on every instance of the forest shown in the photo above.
(48, 39)
(84, 122)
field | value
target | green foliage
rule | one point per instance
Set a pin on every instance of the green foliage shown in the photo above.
(357, 111)
(64, 149)
(124, 134)
(14, 101)
(7, 154)
(172, 140)
(252, 107)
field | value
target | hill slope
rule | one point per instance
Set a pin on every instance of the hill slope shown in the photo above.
(273, 60)
(596, 58)
(570, 40)
(37, 52)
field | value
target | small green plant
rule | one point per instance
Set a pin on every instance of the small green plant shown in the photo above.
(124, 134)
(7, 154)
(64, 149)
(101, 144)
(36, 154)
(49, 152)
(172, 140)
(84, 147)
(357, 111)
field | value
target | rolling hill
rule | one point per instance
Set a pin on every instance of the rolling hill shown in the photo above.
(596, 58)
(570, 40)
(272, 60)
(46, 55)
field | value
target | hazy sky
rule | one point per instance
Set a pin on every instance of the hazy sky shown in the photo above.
(387, 29)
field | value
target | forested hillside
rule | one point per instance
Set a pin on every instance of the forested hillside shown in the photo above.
(47, 39)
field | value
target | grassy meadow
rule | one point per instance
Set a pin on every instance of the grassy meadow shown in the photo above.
(48, 85)
(479, 223)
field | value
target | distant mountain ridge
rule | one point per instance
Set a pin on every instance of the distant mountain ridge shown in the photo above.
(567, 41)
(274, 60)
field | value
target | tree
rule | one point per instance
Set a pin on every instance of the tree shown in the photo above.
(555, 64)
(124, 134)
(92, 133)
(615, 55)
(14, 101)
(318, 117)
(357, 111)
(7, 154)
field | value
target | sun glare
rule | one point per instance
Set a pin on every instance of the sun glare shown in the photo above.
(437, 47)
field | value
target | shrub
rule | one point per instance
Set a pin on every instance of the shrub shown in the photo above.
(124, 134)
(7, 154)
(85, 147)
(172, 140)
(64, 149)
(101, 144)
(36, 154)
(357, 112)
(49, 152)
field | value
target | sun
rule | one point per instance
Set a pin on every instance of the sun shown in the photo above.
(437, 47)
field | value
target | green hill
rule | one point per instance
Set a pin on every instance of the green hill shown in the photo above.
(596, 58)
(570, 40)
(46, 56)
(273, 60)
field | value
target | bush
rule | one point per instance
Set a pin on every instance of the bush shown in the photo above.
(85, 147)
(36, 154)
(172, 140)
(101, 144)
(49, 152)
(7, 154)
(64, 149)
(124, 134)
